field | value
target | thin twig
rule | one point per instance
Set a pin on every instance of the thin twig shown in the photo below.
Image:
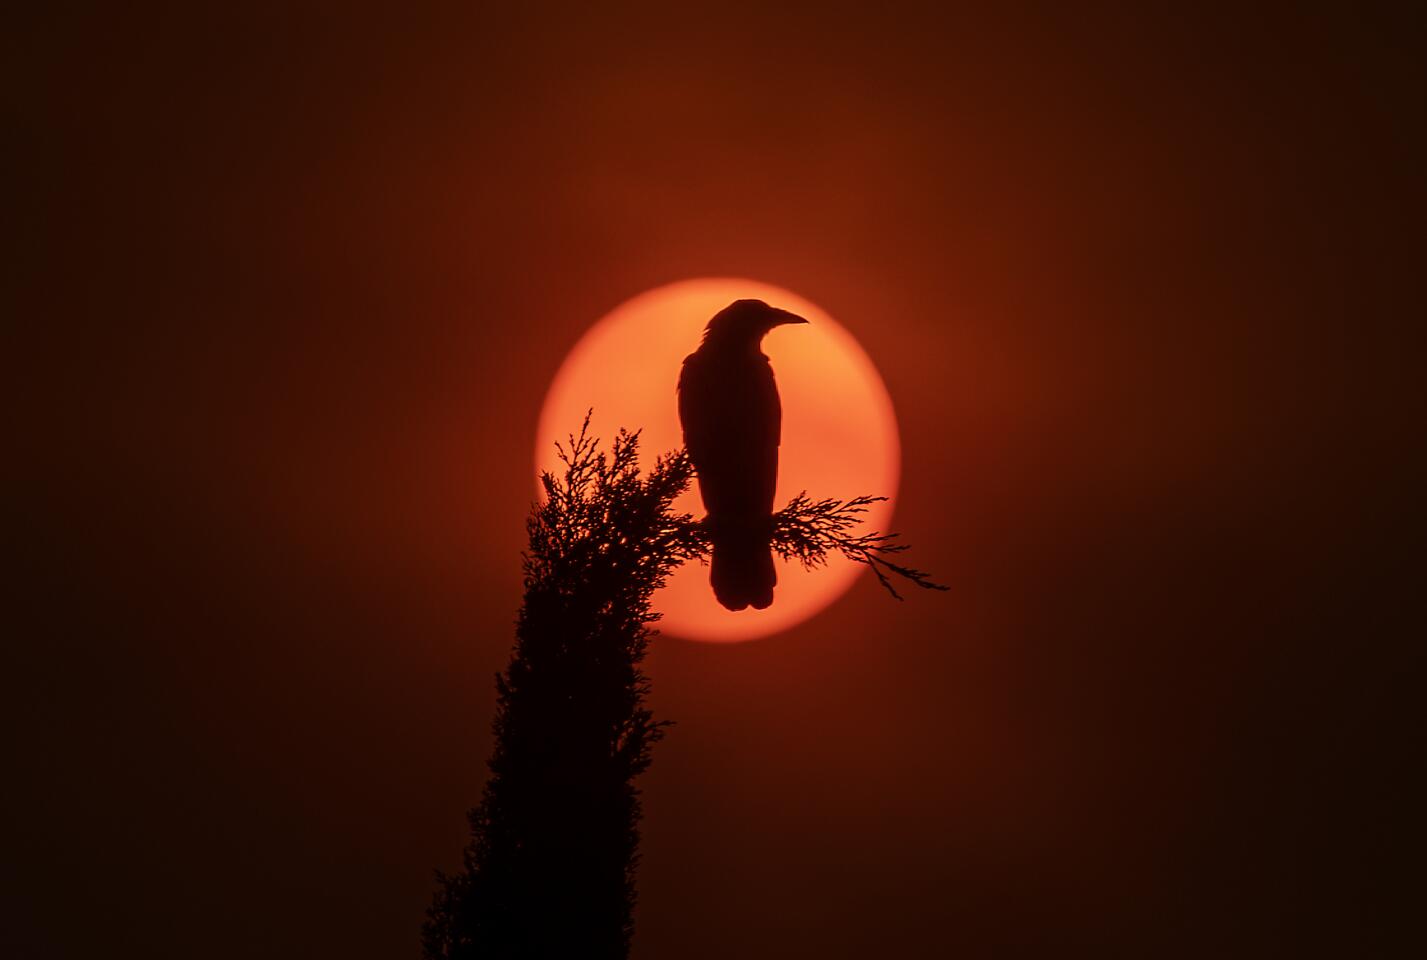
(809, 531)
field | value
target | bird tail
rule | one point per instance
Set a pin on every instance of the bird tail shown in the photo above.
(742, 570)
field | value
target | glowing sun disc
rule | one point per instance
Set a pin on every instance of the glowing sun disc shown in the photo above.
(839, 430)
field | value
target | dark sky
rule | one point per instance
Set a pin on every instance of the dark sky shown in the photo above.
(291, 289)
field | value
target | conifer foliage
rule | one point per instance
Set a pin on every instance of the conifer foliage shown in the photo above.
(549, 869)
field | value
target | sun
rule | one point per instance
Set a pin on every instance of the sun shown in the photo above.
(839, 430)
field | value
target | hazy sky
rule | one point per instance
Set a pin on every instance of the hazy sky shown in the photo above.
(293, 288)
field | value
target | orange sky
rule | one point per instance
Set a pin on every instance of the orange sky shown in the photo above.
(1138, 287)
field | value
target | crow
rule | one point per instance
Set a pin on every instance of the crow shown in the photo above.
(732, 420)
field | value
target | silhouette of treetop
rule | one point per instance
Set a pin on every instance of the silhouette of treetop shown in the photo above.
(549, 867)
(604, 493)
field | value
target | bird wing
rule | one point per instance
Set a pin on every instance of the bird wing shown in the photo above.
(732, 421)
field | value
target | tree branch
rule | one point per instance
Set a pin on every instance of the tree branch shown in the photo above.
(809, 531)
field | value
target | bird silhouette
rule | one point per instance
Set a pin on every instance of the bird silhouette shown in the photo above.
(733, 421)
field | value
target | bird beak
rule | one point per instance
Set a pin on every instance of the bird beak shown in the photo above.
(783, 316)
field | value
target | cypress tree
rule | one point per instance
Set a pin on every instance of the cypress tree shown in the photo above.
(549, 868)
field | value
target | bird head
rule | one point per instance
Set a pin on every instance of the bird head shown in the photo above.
(743, 323)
